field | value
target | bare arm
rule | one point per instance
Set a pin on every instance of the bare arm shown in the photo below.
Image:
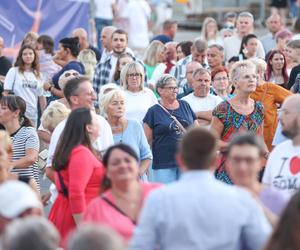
(50, 174)
(26, 161)
(218, 127)
(44, 136)
(149, 134)
(144, 166)
(43, 103)
(204, 115)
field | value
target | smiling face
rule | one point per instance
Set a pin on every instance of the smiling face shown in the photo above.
(277, 61)
(121, 167)
(93, 129)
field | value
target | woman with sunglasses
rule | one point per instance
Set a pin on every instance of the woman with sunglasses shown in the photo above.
(164, 125)
(132, 81)
(66, 56)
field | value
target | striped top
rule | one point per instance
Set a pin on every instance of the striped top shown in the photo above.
(25, 138)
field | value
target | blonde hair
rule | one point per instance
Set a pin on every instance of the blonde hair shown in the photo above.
(236, 68)
(260, 64)
(134, 67)
(206, 21)
(152, 52)
(108, 97)
(53, 115)
(88, 58)
(5, 141)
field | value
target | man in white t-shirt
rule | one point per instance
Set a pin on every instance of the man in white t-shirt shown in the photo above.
(244, 27)
(201, 101)
(283, 167)
(79, 93)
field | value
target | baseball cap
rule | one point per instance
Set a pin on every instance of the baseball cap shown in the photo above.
(15, 198)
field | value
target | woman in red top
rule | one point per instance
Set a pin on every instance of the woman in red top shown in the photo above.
(119, 207)
(78, 171)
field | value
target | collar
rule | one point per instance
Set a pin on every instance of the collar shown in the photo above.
(197, 174)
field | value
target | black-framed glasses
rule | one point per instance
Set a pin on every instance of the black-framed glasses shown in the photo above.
(132, 75)
(171, 88)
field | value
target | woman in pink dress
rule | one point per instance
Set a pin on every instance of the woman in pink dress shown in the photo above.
(119, 207)
(78, 171)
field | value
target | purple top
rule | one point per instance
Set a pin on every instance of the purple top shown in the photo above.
(273, 199)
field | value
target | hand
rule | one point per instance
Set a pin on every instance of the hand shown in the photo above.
(45, 198)
(46, 86)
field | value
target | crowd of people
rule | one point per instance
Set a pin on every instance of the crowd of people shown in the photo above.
(168, 145)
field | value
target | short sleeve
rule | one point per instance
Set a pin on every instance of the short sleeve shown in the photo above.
(149, 117)
(9, 79)
(221, 111)
(145, 151)
(32, 141)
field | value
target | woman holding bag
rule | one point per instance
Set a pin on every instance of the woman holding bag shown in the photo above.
(164, 124)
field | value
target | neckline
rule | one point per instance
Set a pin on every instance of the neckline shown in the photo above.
(230, 105)
(14, 133)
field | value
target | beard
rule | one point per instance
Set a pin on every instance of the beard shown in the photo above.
(291, 132)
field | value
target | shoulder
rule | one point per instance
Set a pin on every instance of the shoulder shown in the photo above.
(81, 149)
(134, 124)
(282, 147)
(188, 97)
(223, 106)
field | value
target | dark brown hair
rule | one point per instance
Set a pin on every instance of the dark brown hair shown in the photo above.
(74, 134)
(35, 64)
(16, 103)
(48, 44)
(198, 148)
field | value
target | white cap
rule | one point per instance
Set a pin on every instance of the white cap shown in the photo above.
(15, 198)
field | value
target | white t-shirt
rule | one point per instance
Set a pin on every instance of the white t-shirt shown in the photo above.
(202, 103)
(283, 168)
(27, 86)
(113, 62)
(104, 140)
(138, 30)
(232, 47)
(137, 104)
(104, 9)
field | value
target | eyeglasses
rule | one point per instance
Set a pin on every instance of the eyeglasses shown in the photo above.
(134, 75)
(171, 88)
(236, 160)
(71, 74)
(221, 79)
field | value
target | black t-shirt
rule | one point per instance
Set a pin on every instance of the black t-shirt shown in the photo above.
(97, 52)
(295, 71)
(5, 65)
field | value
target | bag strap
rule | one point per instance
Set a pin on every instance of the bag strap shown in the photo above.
(174, 119)
(13, 86)
(117, 208)
(62, 185)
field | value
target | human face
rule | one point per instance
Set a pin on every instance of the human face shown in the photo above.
(106, 38)
(161, 57)
(173, 30)
(28, 56)
(116, 107)
(62, 53)
(169, 91)
(121, 167)
(274, 24)
(190, 68)
(198, 56)
(93, 129)
(288, 54)
(124, 61)
(119, 43)
(211, 27)
(244, 25)
(247, 81)
(85, 97)
(220, 81)
(251, 46)
(6, 115)
(134, 81)
(277, 62)
(244, 163)
(180, 54)
(289, 117)
(214, 57)
(281, 43)
(201, 84)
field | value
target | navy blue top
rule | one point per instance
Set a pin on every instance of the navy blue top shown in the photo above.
(166, 132)
(78, 66)
(163, 38)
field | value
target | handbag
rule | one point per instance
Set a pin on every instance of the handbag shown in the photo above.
(182, 129)
(42, 159)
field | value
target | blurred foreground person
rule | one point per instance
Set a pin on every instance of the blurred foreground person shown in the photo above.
(94, 237)
(31, 233)
(186, 215)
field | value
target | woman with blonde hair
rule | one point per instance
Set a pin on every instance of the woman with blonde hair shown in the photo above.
(88, 58)
(154, 58)
(132, 80)
(125, 130)
(210, 32)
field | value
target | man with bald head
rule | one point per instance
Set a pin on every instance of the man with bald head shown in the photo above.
(106, 41)
(274, 24)
(283, 167)
(82, 35)
(5, 64)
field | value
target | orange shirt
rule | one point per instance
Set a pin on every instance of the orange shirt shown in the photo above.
(270, 95)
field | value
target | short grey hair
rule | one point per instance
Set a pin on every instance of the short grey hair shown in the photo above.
(199, 44)
(31, 233)
(95, 237)
(246, 14)
(217, 46)
(201, 71)
(108, 97)
(234, 73)
(164, 80)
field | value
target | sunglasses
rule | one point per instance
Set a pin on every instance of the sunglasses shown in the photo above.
(71, 74)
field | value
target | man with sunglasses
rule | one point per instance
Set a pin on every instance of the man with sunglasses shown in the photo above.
(283, 167)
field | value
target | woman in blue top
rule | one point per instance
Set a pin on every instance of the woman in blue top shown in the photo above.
(126, 131)
(67, 58)
(164, 124)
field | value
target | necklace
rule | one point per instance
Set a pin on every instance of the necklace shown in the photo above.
(119, 129)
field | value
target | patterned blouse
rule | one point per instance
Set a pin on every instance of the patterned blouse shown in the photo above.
(236, 123)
